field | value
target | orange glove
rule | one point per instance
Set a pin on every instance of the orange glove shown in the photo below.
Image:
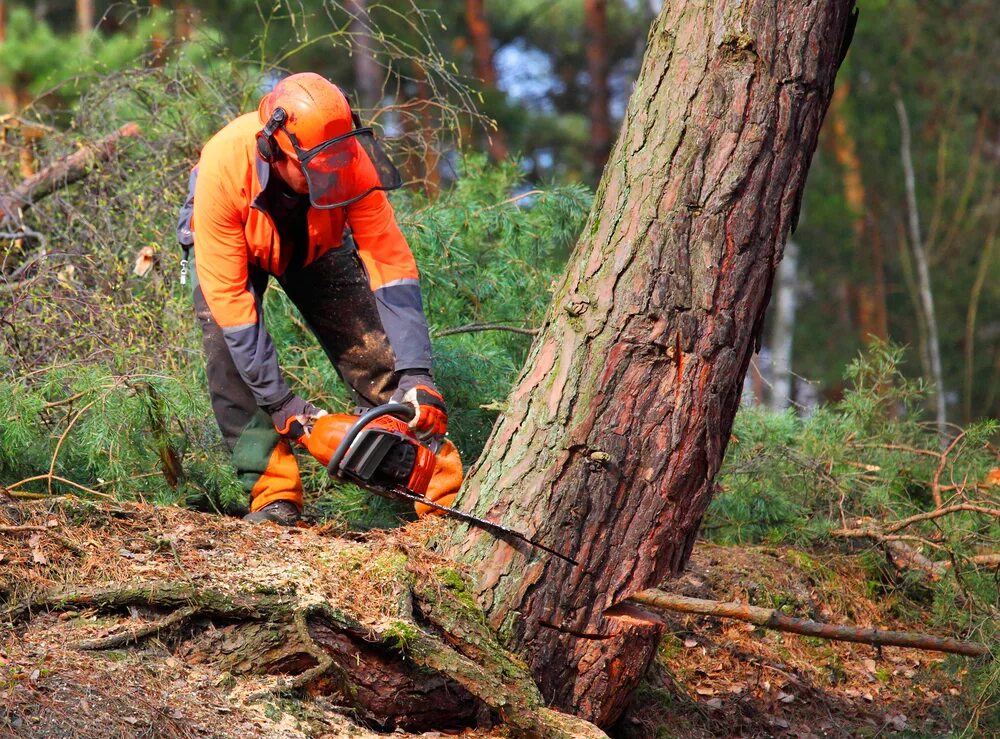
(419, 391)
(446, 480)
(293, 416)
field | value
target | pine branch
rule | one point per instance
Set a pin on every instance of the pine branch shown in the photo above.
(474, 327)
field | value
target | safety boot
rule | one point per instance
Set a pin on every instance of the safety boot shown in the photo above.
(281, 512)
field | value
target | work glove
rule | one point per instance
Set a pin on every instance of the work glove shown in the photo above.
(294, 416)
(420, 392)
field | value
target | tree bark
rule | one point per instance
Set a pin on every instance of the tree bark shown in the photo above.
(482, 57)
(84, 17)
(61, 173)
(873, 319)
(595, 13)
(617, 427)
(771, 618)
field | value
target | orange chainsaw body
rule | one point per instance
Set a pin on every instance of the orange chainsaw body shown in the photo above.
(385, 453)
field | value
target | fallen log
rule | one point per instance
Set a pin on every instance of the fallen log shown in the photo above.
(773, 619)
(60, 173)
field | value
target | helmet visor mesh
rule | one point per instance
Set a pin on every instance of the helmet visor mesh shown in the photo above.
(343, 170)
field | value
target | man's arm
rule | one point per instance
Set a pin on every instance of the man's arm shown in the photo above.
(223, 276)
(394, 280)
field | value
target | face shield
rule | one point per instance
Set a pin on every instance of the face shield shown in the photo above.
(344, 169)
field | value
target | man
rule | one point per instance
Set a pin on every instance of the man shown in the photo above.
(296, 191)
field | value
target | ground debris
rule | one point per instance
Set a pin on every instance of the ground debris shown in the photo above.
(135, 620)
(714, 678)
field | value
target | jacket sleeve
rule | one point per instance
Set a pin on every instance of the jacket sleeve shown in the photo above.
(392, 273)
(223, 274)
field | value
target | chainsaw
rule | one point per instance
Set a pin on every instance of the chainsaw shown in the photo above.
(379, 452)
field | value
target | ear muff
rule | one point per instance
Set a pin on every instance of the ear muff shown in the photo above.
(267, 147)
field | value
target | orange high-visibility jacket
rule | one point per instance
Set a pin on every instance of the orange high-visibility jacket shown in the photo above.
(226, 216)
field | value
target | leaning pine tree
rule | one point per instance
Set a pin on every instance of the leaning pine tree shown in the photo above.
(618, 424)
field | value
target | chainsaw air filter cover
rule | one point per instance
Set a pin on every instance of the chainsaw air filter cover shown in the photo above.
(387, 458)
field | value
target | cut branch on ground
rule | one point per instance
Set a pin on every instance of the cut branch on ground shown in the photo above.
(773, 619)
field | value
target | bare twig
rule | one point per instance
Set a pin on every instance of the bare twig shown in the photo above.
(772, 619)
(63, 480)
(474, 327)
(65, 433)
(14, 530)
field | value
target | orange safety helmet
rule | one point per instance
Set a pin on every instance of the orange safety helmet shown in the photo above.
(316, 111)
(308, 119)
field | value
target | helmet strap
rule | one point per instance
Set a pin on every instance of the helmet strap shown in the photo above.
(267, 147)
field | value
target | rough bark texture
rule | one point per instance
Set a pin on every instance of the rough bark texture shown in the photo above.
(617, 427)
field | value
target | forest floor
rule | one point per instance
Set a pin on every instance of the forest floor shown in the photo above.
(711, 678)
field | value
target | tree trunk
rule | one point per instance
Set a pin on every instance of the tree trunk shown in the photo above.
(367, 76)
(873, 319)
(8, 97)
(783, 331)
(85, 17)
(926, 293)
(482, 56)
(616, 429)
(595, 14)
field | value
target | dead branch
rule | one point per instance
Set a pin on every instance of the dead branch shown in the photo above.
(939, 512)
(474, 327)
(15, 530)
(61, 173)
(772, 619)
(904, 555)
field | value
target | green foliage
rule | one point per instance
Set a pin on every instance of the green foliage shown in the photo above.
(869, 456)
(114, 434)
(865, 463)
(35, 60)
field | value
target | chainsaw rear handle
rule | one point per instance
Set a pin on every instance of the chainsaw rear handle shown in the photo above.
(400, 410)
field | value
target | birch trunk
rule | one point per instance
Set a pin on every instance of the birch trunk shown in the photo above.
(613, 436)
(923, 272)
(783, 332)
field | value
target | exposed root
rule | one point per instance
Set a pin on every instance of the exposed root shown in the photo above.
(385, 626)
(177, 618)
(324, 662)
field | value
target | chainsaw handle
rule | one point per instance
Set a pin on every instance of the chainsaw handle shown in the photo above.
(401, 410)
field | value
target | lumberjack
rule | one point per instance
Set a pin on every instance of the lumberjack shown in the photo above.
(297, 191)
